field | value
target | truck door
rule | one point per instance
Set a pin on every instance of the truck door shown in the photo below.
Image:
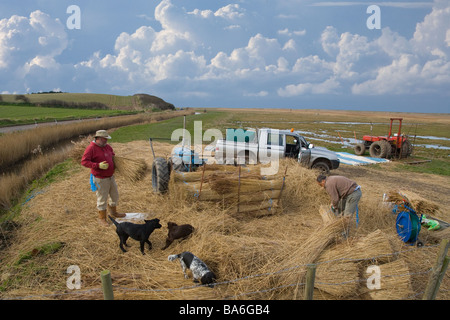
(271, 147)
(304, 156)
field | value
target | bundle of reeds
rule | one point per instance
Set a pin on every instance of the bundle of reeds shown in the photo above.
(309, 251)
(375, 245)
(395, 282)
(339, 279)
(131, 169)
(419, 204)
(78, 148)
(326, 214)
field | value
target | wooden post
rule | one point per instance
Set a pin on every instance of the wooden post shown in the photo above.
(107, 285)
(310, 277)
(239, 188)
(441, 275)
(437, 273)
(201, 182)
(282, 187)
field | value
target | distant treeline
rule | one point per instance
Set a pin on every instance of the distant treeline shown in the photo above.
(47, 92)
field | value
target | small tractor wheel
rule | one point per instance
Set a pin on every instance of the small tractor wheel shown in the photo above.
(360, 149)
(160, 175)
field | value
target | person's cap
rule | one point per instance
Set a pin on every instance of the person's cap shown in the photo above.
(102, 134)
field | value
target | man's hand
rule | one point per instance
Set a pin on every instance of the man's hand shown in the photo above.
(103, 165)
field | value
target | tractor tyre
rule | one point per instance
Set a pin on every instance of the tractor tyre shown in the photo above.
(360, 149)
(378, 150)
(406, 149)
(388, 148)
(160, 175)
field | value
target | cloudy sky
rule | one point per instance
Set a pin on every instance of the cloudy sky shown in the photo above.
(241, 53)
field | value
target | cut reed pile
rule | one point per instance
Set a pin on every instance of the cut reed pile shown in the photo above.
(242, 187)
(415, 201)
(254, 258)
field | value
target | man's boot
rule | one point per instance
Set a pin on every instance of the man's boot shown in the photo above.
(102, 218)
(114, 212)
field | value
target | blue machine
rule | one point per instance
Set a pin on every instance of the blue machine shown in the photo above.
(408, 224)
(185, 159)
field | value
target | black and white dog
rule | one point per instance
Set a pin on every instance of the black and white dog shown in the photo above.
(199, 269)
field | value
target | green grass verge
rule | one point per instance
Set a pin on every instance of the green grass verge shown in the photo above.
(163, 130)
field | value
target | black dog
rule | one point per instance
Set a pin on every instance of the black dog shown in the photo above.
(139, 232)
(200, 270)
(177, 232)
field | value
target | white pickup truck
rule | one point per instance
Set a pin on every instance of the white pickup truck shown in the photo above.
(264, 145)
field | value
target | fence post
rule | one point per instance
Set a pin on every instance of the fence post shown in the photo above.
(107, 285)
(437, 273)
(310, 277)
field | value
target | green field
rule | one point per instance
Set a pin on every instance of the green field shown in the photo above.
(333, 130)
(25, 114)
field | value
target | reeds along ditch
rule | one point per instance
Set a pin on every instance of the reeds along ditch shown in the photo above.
(28, 147)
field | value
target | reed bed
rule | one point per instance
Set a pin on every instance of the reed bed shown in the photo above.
(254, 258)
(17, 146)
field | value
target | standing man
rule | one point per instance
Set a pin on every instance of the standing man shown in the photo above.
(344, 193)
(98, 156)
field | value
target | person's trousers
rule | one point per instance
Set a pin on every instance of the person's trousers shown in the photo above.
(350, 203)
(106, 187)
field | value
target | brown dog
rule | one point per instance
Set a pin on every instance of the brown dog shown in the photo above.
(177, 232)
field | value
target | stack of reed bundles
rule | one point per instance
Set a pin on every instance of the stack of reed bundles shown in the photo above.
(418, 203)
(242, 188)
(394, 283)
(343, 269)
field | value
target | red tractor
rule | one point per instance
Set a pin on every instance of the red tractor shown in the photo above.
(396, 145)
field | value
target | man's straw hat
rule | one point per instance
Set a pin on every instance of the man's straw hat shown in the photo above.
(102, 134)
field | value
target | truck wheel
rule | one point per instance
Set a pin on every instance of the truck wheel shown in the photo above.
(160, 175)
(360, 149)
(378, 150)
(323, 167)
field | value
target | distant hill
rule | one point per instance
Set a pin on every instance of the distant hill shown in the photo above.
(101, 101)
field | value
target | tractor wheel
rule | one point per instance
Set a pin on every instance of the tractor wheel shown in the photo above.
(387, 146)
(160, 175)
(406, 149)
(376, 150)
(360, 149)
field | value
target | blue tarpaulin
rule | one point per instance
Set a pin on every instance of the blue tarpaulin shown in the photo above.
(354, 160)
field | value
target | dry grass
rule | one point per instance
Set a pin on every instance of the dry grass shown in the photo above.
(254, 258)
